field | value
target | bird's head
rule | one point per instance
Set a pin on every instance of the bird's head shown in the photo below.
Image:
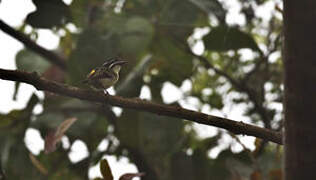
(114, 64)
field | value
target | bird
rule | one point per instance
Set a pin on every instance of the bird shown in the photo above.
(105, 76)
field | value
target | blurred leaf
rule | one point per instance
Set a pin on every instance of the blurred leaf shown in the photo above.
(38, 164)
(106, 170)
(215, 100)
(138, 33)
(79, 12)
(91, 125)
(116, 23)
(228, 164)
(48, 120)
(86, 121)
(66, 43)
(258, 144)
(26, 60)
(8, 119)
(18, 118)
(128, 128)
(269, 161)
(157, 137)
(224, 38)
(202, 164)
(48, 14)
(176, 22)
(19, 164)
(130, 176)
(182, 167)
(59, 167)
(172, 63)
(86, 14)
(14, 154)
(209, 143)
(163, 133)
(196, 165)
(98, 178)
(203, 81)
(52, 138)
(211, 7)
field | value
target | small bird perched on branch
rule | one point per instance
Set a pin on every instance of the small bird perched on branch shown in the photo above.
(106, 75)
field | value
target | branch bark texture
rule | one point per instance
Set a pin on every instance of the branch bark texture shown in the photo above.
(135, 103)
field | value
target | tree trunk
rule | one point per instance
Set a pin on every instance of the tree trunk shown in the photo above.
(300, 89)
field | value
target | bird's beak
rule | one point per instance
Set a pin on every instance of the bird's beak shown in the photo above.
(119, 62)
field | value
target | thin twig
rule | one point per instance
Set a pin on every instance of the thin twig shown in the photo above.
(49, 55)
(248, 151)
(238, 85)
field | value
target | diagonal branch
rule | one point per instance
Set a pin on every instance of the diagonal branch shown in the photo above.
(49, 55)
(238, 85)
(141, 105)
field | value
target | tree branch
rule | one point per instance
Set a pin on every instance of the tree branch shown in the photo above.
(49, 55)
(172, 111)
(238, 85)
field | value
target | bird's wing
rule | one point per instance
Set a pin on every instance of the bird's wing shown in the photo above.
(99, 75)
(91, 74)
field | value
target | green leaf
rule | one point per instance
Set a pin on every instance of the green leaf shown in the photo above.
(19, 117)
(209, 143)
(79, 12)
(54, 137)
(201, 81)
(215, 100)
(48, 14)
(270, 159)
(211, 7)
(106, 170)
(163, 132)
(173, 64)
(224, 38)
(49, 120)
(19, 164)
(29, 61)
(8, 119)
(228, 162)
(137, 36)
(180, 17)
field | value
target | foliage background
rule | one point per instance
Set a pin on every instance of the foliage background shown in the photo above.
(237, 65)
